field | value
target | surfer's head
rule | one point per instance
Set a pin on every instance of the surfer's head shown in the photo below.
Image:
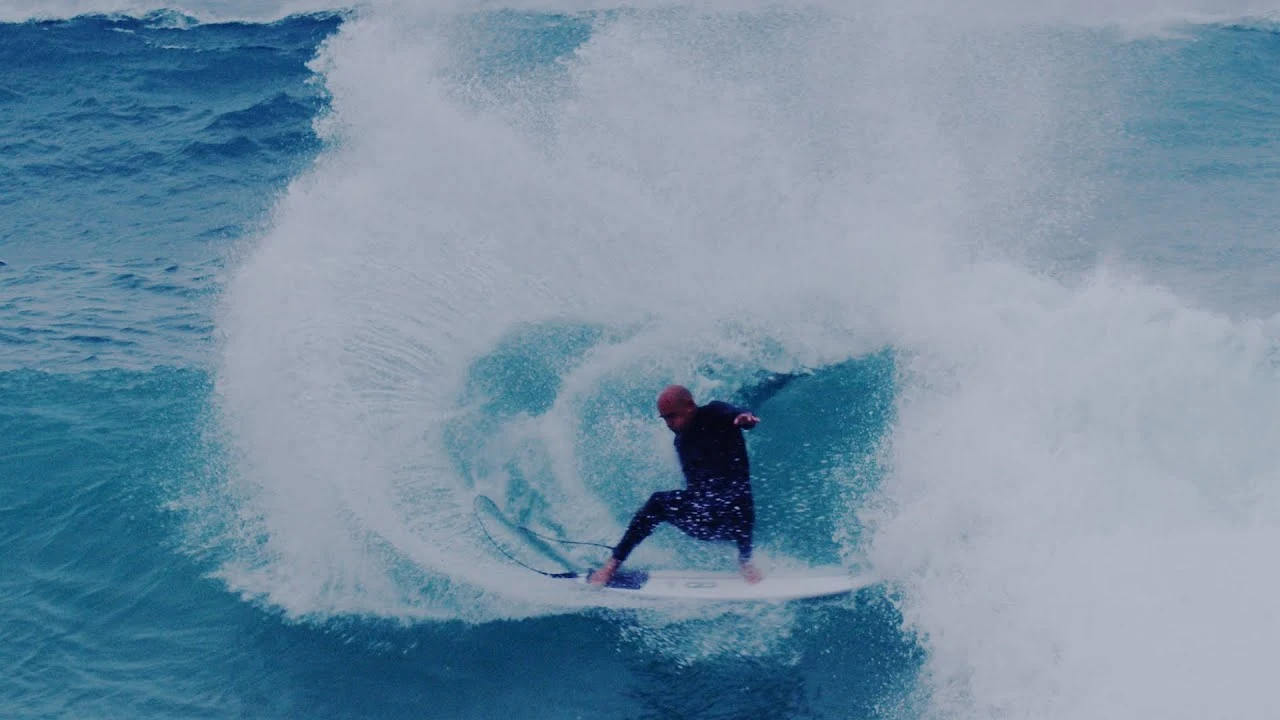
(676, 406)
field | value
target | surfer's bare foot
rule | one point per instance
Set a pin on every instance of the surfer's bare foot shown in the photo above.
(750, 573)
(603, 575)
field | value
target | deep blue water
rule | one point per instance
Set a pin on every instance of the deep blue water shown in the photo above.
(277, 299)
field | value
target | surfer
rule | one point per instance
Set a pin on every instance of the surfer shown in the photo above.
(716, 502)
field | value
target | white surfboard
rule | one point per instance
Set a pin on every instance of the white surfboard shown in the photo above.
(729, 587)
(528, 550)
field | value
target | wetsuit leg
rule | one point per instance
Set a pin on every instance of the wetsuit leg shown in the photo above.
(717, 518)
(661, 507)
(744, 522)
(697, 516)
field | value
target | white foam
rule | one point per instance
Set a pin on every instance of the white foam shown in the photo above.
(1081, 517)
(665, 177)
(443, 218)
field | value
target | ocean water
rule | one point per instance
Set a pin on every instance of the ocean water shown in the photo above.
(284, 286)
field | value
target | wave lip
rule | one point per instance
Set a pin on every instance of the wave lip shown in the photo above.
(1064, 512)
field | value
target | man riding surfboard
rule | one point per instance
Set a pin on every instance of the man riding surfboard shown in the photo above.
(716, 503)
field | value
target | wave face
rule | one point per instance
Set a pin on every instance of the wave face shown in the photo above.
(281, 297)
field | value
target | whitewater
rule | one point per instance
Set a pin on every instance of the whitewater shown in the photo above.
(285, 286)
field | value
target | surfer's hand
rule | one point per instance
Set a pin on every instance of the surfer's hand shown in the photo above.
(750, 573)
(603, 575)
(746, 420)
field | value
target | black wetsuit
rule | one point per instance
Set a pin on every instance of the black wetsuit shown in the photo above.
(716, 502)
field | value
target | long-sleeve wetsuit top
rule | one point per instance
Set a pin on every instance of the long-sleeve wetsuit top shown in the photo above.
(716, 504)
(713, 454)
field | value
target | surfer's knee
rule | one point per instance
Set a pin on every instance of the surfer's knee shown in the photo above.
(659, 505)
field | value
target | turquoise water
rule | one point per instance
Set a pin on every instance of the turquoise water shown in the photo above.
(281, 294)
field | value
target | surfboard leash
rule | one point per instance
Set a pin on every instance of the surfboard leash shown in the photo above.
(564, 575)
(565, 542)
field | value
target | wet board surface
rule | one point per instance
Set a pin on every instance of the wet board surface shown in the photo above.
(724, 586)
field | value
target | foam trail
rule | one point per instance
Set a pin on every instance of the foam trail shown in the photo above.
(619, 191)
